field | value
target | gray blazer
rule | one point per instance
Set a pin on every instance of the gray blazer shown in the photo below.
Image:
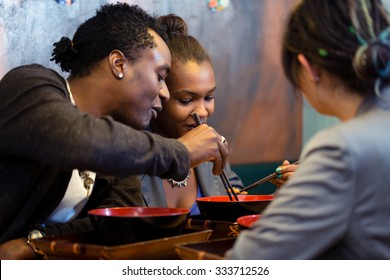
(210, 185)
(337, 204)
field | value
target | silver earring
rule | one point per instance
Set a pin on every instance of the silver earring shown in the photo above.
(317, 79)
(378, 87)
(120, 75)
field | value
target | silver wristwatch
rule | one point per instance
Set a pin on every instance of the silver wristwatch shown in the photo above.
(35, 234)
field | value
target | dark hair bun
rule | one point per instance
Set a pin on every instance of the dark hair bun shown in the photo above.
(64, 53)
(372, 60)
(173, 24)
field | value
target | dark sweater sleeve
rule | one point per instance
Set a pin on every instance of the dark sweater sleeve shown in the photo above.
(38, 122)
(108, 192)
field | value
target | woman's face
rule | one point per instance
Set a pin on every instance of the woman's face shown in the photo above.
(191, 87)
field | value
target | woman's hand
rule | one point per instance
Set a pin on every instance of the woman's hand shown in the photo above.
(284, 172)
(17, 249)
(238, 191)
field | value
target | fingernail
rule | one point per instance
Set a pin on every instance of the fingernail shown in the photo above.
(278, 170)
(279, 176)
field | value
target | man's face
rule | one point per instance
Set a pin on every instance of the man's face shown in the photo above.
(143, 86)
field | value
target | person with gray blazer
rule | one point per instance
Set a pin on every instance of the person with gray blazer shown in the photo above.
(337, 204)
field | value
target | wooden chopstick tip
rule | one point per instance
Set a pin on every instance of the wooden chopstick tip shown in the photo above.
(196, 118)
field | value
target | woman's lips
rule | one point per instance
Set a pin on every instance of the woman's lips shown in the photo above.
(190, 126)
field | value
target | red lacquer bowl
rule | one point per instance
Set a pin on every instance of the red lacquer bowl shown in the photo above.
(220, 208)
(247, 221)
(122, 225)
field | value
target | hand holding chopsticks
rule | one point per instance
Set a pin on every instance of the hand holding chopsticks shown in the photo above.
(203, 145)
(264, 180)
(225, 180)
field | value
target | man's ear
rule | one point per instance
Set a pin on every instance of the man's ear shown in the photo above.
(311, 71)
(117, 63)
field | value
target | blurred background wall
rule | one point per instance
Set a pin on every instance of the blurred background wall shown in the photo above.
(256, 108)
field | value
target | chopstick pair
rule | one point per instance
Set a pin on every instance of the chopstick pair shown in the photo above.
(264, 180)
(225, 180)
(228, 187)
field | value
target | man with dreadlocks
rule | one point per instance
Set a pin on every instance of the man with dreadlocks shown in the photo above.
(61, 138)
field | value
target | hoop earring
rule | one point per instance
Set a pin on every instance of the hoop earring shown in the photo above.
(318, 93)
(378, 87)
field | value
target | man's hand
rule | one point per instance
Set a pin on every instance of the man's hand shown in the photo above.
(205, 144)
(17, 249)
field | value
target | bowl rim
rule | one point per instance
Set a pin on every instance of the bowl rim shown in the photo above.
(225, 198)
(159, 212)
(252, 217)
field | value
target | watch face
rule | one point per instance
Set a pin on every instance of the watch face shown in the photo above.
(35, 234)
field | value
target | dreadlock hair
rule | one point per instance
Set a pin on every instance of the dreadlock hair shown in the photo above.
(346, 38)
(115, 26)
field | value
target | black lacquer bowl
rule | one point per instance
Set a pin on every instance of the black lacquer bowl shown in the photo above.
(123, 225)
(220, 208)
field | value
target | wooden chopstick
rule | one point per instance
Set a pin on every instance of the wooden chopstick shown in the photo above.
(229, 187)
(225, 180)
(263, 180)
(226, 186)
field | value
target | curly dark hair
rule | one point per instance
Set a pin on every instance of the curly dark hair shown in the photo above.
(183, 47)
(115, 26)
(349, 39)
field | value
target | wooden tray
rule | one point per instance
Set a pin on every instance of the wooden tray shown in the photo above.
(82, 246)
(206, 250)
(221, 229)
